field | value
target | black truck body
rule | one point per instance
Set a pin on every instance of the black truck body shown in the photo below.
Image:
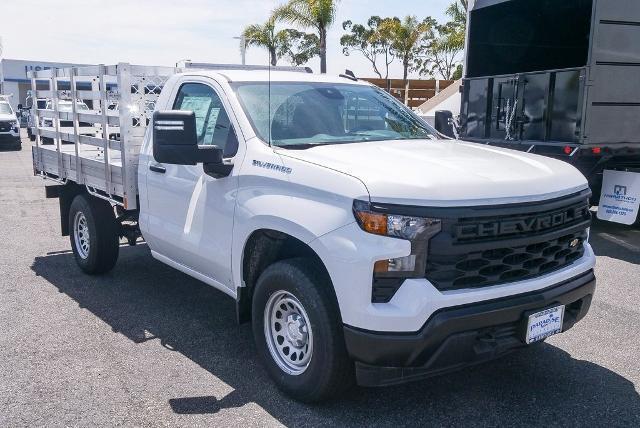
(558, 78)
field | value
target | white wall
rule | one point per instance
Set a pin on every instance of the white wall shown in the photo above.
(448, 99)
(451, 103)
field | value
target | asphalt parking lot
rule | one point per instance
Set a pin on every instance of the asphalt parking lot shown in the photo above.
(148, 346)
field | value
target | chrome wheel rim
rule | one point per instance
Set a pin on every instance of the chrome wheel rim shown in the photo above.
(288, 333)
(81, 234)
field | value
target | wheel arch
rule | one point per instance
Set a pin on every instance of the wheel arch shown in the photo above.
(262, 248)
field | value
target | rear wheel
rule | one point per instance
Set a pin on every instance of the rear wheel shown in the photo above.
(94, 234)
(298, 332)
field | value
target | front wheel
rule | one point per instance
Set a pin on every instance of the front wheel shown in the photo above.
(94, 236)
(298, 332)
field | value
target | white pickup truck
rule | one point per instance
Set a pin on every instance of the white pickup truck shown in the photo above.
(9, 125)
(360, 244)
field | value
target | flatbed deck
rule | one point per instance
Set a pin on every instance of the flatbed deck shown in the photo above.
(92, 164)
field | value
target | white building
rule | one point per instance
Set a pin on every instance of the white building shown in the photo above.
(14, 80)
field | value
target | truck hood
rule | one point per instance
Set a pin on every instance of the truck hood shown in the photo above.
(8, 117)
(446, 172)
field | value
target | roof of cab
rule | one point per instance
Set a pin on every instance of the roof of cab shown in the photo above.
(274, 76)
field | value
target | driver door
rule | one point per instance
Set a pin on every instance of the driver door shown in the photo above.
(191, 213)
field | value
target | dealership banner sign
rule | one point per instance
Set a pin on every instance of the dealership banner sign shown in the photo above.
(620, 198)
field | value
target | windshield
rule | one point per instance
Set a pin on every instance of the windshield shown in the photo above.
(5, 108)
(307, 114)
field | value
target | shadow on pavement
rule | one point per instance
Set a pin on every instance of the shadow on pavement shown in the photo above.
(145, 300)
(616, 241)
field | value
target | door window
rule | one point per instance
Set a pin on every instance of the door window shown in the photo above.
(213, 126)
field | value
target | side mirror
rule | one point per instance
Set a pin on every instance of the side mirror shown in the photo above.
(175, 141)
(19, 106)
(444, 123)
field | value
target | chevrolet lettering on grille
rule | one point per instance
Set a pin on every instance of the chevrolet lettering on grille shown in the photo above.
(531, 224)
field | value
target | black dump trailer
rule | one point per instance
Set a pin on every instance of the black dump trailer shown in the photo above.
(558, 78)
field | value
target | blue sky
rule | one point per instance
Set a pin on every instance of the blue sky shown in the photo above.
(161, 32)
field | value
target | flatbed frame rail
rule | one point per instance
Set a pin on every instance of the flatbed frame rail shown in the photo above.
(122, 99)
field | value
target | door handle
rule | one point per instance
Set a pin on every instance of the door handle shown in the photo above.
(157, 168)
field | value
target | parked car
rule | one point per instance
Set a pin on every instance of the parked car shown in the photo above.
(360, 244)
(9, 126)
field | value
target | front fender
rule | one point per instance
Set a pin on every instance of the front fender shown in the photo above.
(306, 204)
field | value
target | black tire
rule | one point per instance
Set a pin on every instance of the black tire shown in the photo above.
(330, 372)
(101, 253)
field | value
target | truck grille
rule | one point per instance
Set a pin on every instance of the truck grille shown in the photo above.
(518, 243)
(5, 126)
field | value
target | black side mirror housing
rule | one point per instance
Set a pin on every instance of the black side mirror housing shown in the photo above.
(444, 123)
(175, 140)
(218, 170)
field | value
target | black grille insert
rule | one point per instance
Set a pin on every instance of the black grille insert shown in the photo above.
(485, 268)
(473, 257)
(384, 289)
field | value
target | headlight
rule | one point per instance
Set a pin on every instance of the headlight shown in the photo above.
(389, 274)
(396, 226)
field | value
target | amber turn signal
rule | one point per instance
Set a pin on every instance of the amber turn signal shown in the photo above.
(381, 266)
(372, 222)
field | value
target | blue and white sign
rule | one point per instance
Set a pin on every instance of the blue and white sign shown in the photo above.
(620, 198)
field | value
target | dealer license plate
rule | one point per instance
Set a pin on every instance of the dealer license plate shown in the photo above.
(544, 324)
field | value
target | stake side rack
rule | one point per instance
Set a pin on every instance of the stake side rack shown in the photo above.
(121, 99)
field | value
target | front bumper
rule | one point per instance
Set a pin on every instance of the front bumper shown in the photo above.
(9, 138)
(460, 336)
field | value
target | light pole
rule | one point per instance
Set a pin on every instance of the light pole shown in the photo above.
(243, 48)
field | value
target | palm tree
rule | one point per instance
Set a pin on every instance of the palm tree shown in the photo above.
(406, 37)
(316, 14)
(457, 11)
(265, 36)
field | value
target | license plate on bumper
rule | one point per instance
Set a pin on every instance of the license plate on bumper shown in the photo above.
(544, 324)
